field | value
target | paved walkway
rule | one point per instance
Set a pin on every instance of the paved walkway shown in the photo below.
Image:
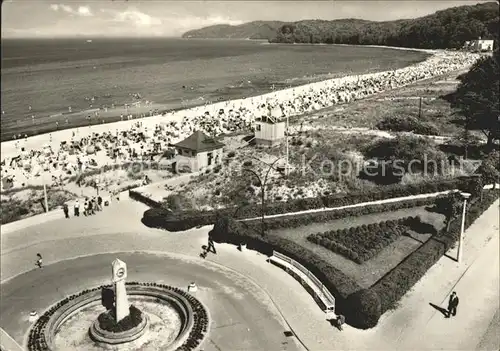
(361, 204)
(412, 326)
(7, 343)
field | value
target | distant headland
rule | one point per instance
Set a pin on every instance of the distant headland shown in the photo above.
(445, 29)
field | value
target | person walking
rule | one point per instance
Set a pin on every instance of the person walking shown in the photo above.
(340, 321)
(99, 203)
(66, 210)
(39, 261)
(452, 305)
(77, 209)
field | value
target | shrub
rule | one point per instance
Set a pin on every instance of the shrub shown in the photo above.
(407, 124)
(407, 149)
(363, 309)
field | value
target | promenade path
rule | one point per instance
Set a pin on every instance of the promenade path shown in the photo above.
(415, 325)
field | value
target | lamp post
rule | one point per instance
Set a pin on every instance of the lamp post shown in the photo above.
(465, 196)
(263, 188)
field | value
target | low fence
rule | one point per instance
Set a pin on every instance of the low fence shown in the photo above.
(328, 300)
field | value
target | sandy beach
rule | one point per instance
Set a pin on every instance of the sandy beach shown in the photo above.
(12, 148)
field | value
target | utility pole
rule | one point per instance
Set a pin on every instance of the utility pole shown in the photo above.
(286, 166)
(420, 108)
(465, 196)
(46, 202)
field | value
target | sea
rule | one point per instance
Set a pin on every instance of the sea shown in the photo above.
(55, 84)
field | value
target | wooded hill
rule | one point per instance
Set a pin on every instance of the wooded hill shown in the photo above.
(250, 30)
(448, 28)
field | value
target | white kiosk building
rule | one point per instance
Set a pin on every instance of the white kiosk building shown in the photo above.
(269, 131)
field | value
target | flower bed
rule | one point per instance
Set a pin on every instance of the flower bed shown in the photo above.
(107, 320)
(360, 244)
(394, 285)
(180, 221)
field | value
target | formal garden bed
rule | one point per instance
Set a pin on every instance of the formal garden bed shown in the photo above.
(361, 243)
(362, 303)
(368, 272)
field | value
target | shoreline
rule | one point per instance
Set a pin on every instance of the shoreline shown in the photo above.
(51, 117)
(54, 138)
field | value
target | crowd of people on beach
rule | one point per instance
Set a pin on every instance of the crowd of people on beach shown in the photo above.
(142, 139)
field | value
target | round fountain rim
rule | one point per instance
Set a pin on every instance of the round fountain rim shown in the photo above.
(74, 303)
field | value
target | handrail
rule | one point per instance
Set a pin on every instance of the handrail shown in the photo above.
(309, 274)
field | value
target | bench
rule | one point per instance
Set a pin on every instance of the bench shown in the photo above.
(319, 290)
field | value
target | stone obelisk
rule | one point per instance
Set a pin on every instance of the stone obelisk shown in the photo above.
(121, 300)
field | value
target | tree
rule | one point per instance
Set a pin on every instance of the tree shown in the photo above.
(449, 28)
(450, 207)
(477, 97)
(475, 187)
(490, 169)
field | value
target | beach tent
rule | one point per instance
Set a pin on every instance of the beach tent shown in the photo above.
(90, 150)
(276, 112)
(7, 182)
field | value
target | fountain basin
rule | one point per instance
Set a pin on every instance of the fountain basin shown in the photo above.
(188, 333)
(102, 336)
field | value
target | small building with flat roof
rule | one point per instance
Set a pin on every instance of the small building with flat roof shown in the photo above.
(198, 151)
(269, 131)
(480, 45)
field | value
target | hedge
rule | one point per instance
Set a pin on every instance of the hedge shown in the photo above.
(363, 309)
(134, 195)
(298, 220)
(360, 244)
(360, 307)
(228, 230)
(394, 285)
(189, 219)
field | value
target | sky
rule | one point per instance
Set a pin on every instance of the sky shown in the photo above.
(162, 18)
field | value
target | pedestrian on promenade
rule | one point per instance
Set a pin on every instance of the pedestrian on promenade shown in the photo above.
(66, 210)
(211, 246)
(85, 208)
(99, 203)
(77, 209)
(340, 321)
(453, 304)
(39, 262)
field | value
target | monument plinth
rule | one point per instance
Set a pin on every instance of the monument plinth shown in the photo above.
(121, 300)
